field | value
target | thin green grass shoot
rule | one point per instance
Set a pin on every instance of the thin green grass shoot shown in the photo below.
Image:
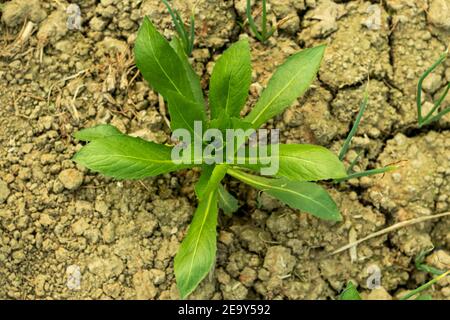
(432, 116)
(421, 266)
(351, 174)
(424, 287)
(187, 38)
(264, 34)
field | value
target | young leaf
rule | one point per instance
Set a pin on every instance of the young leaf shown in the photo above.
(227, 202)
(288, 83)
(97, 132)
(299, 195)
(194, 80)
(350, 293)
(214, 180)
(202, 182)
(125, 157)
(230, 80)
(160, 64)
(237, 123)
(224, 122)
(184, 112)
(302, 162)
(197, 252)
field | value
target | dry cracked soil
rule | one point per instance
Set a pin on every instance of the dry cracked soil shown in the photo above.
(60, 223)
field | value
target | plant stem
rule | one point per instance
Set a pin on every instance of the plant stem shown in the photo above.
(352, 165)
(366, 173)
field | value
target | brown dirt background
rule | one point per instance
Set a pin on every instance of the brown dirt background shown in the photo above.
(56, 217)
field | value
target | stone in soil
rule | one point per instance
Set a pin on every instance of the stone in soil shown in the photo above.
(71, 179)
(4, 191)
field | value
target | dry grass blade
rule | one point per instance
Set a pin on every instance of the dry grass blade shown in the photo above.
(390, 229)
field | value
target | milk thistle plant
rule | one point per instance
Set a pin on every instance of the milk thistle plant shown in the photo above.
(164, 65)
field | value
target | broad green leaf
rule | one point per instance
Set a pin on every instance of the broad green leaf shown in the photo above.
(230, 80)
(197, 252)
(227, 202)
(97, 132)
(202, 182)
(194, 80)
(305, 196)
(125, 157)
(350, 293)
(288, 83)
(159, 64)
(301, 162)
(184, 112)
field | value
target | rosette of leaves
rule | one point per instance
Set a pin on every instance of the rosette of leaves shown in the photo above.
(165, 66)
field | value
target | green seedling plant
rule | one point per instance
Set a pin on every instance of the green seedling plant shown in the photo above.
(351, 174)
(420, 264)
(186, 36)
(265, 32)
(424, 287)
(164, 65)
(437, 112)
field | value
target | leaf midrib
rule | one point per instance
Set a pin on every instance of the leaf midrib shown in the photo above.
(280, 156)
(275, 97)
(207, 209)
(162, 69)
(278, 188)
(228, 87)
(134, 158)
(182, 116)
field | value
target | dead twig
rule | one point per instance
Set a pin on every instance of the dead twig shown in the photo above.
(74, 110)
(63, 80)
(390, 229)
